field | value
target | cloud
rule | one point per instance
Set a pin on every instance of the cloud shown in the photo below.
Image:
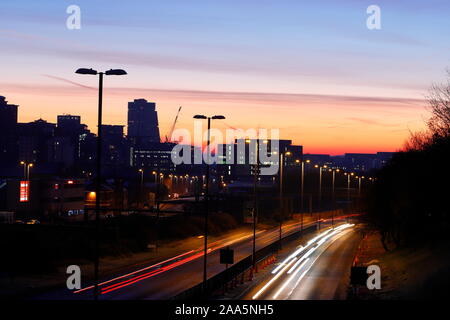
(69, 81)
(266, 98)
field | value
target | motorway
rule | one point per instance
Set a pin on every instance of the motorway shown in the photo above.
(318, 269)
(172, 276)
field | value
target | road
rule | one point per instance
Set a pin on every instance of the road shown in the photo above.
(170, 277)
(315, 270)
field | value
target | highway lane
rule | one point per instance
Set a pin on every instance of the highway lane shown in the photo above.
(172, 276)
(330, 270)
(185, 272)
(313, 270)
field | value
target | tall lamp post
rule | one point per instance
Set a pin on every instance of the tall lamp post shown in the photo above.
(205, 276)
(333, 195)
(302, 188)
(29, 166)
(26, 169)
(348, 188)
(282, 155)
(141, 188)
(255, 201)
(116, 72)
(320, 190)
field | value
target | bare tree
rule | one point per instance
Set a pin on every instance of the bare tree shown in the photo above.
(418, 140)
(439, 100)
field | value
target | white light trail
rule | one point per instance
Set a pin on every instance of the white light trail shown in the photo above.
(301, 262)
(290, 279)
(300, 250)
(272, 280)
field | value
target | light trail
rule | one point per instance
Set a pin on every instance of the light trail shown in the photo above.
(196, 254)
(137, 271)
(310, 266)
(289, 280)
(295, 268)
(285, 261)
(272, 280)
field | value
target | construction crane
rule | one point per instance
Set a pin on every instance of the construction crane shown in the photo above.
(173, 126)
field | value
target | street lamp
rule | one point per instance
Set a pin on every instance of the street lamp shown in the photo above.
(282, 155)
(333, 196)
(302, 189)
(320, 189)
(255, 198)
(29, 166)
(141, 193)
(26, 169)
(117, 72)
(359, 185)
(202, 117)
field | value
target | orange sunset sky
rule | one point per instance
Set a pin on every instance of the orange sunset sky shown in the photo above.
(314, 72)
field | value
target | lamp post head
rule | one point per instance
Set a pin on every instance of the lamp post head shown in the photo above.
(115, 72)
(218, 117)
(199, 116)
(86, 71)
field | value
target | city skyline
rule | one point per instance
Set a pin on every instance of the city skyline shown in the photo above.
(162, 139)
(226, 57)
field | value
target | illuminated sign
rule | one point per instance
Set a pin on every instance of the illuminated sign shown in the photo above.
(24, 191)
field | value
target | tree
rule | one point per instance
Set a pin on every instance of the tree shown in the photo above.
(439, 100)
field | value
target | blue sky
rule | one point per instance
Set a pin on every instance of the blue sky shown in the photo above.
(174, 49)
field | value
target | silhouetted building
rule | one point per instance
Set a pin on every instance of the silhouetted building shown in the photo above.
(236, 160)
(155, 156)
(319, 159)
(69, 144)
(115, 151)
(366, 161)
(8, 125)
(33, 141)
(69, 125)
(142, 123)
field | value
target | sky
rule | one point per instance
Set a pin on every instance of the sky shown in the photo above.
(311, 69)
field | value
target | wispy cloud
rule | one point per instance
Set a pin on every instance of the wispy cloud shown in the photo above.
(277, 99)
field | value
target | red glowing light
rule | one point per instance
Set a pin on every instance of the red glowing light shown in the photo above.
(24, 191)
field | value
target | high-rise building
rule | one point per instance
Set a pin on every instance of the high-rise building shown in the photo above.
(69, 125)
(8, 114)
(237, 159)
(69, 137)
(142, 122)
(115, 151)
(8, 123)
(157, 156)
(33, 141)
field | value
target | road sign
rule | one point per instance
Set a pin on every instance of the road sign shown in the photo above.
(226, 256)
